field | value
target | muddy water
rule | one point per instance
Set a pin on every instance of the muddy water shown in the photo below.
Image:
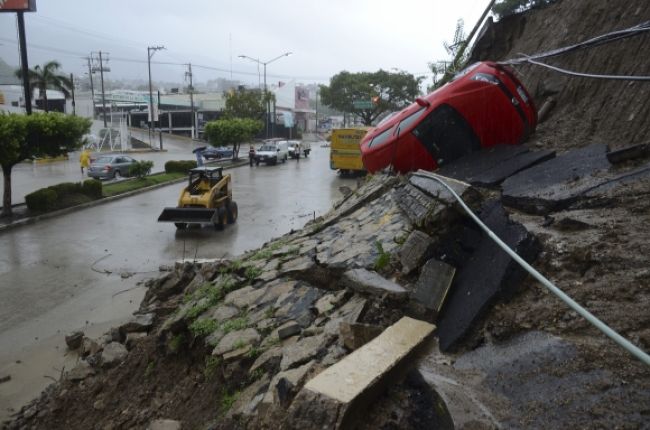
(66, 273)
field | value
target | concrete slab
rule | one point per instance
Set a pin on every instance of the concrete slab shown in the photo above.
(343, 390)
(433, 284)
(414, 250)
(559, 182)
(491, 166)
(488, 274)
(365, 281)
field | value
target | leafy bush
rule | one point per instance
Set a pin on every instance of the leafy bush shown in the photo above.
(66, 188)
(182, 166)
(42, 200)
(140, 169)
(63, 195)
(92, 188)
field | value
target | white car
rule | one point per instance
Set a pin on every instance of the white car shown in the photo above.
(304, 148)
(272, 152)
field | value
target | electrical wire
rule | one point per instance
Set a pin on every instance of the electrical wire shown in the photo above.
(590, 43)
(608, 331)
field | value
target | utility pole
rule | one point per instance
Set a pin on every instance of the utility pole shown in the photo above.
(150, 51)
(92, 87)
(74, 112)
(23, 62)
(101, 76)
(316, 130)
(188, 74)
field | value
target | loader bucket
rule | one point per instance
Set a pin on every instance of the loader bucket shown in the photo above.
(189, 215)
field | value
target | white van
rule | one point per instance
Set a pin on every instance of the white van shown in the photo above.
(272, 151)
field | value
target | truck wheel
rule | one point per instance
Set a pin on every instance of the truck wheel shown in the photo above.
(232, 212)
(180, 225)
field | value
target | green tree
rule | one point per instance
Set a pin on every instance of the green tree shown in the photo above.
(46, 77)
(232, 131)
(37, 135)
(247, 103)
(385, 91)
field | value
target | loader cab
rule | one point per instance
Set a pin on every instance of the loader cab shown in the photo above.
(201, 179)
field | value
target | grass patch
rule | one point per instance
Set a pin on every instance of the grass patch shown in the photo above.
(252, 272)
(383, 258)
(228, 400)
(137, 183)
(212, 364)
(176, 342)
(266, 252)
(235, 324)
(203, 327)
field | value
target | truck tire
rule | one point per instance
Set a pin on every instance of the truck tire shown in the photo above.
(232, 212)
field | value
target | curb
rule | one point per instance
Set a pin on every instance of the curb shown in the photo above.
(36, 218)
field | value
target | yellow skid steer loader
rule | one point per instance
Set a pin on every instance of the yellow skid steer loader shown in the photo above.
(206, 199)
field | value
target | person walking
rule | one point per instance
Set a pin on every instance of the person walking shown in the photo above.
(296, 151)
(199, 155)
(84, 160)
(251, 155)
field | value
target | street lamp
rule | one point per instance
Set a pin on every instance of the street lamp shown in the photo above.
(150, 51)
(264, 63)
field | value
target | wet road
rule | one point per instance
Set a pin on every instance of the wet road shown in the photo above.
(54, 274)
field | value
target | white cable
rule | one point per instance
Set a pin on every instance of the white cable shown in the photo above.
(626, 344)
(590, 75)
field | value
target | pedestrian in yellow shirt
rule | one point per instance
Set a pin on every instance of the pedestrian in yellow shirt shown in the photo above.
(84, 160)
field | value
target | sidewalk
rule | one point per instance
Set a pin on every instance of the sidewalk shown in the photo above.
(21, 215)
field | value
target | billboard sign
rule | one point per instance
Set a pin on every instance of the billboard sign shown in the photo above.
(17, 5)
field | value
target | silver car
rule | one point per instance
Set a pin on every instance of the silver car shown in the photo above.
(110, 166)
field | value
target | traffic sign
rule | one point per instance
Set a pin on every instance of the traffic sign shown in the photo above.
(362, 104)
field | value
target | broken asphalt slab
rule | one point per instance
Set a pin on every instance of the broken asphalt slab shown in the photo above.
(488, 274)
(491, 166)
(557, 183)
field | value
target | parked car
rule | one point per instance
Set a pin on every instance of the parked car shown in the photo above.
(272, 151)
(484, 105)
(110, 166)
(212, 152)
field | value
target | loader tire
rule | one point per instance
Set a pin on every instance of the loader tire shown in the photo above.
(232, 212)
(222, 218)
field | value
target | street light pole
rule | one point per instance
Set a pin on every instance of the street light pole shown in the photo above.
(150, 51)
(268, 102)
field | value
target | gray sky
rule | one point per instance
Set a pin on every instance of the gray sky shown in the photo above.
(324, 36)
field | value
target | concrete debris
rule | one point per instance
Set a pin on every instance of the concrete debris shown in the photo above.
(236, 339)
(355, 335)
(113, 354)
(414, 250)
(433, 284)
(74, 339)
(80, 371)
(303, 350)
(288, 329)
(633, 152)
(141, 322)
(336, 395)
(365, 281)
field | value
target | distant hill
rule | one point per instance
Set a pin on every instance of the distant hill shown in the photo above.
(7, 76)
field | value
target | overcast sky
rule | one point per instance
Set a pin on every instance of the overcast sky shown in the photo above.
(325, 37)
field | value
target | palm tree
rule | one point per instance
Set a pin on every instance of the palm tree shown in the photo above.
(47, 77)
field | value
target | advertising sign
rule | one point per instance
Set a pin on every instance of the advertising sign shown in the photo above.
(17, 5)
